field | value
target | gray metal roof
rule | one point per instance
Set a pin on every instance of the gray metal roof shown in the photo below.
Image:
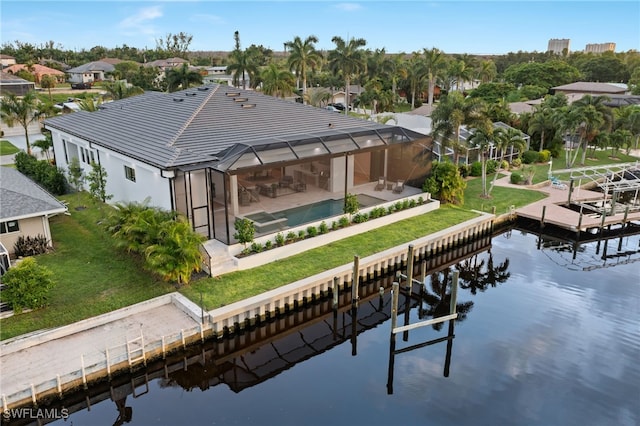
(200, 125)
(21, 197)
(92, 66)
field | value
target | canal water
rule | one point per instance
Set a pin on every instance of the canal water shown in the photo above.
(548, 334)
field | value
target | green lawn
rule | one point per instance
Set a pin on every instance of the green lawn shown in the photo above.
(239, 285)
(7, 148)
(501, 198)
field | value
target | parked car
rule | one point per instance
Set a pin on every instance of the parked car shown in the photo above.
(332, 108)
(339, 106)
(81, 86)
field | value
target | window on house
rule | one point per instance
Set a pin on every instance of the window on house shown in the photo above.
(84, 159)
(9, 226)
(66, 156)
(130, 173)
(93, 159)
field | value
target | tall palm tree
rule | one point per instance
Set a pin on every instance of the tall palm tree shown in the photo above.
(461, 73)
(435, 63)
(505, 139)
(415, 76)
(242, 64)
(22, 110)
(628, 118)
(348, 59)
(48, 82)
(276, 81)
(487, 71)
(482, 139)
(303, 57)
(542, 122)
(598, 116)
(182, 77)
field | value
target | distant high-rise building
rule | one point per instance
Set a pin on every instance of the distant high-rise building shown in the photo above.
(558, 45)
(600, 47)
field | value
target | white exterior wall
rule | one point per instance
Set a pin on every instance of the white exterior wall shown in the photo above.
(149, 182)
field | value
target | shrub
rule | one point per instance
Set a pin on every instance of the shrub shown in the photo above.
(291, 236)
(504, 165)
(412, 203)
(360, 218)
(516, 162)
(312, 231)
(301, 234)
(351, 204)
(27, 285)
(334, 225)
(323, 228)
(544, 156)
(516, 178)
(48, 176)
(530, 157)
(30, 246)
(256, 247)
(492, 165)
(279, 239)
(420, 200)
(464, 170)
(390, 209)
(268, 245)
(405, 204)
(397, 206)
(476, 169)
(245, 230)
(343, 222)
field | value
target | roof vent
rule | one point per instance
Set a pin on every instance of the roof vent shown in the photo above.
(245, 106)
(241, 99)
(190, 94)
(232, 94)
(178, 99)
(203, 89)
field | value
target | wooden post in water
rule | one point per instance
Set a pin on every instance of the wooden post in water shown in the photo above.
(454, 292)
(579, 224)
(544, 211)
(336, 290)
(395, 289)
(356, 280)
(409, 283)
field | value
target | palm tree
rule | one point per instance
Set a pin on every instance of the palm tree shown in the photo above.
(45, 144)
(628, 118)
(276, 81)
(348, 59)
(303, 57)
(89, 104)
(541, 122)
(182, 77)
(415, 76)
(48, 82)
(115, 90)
(505, 139)
(23, 111)
(487, 71)
(598, 117)
(434, 65)
(242, 64)
(482, 139)
(461, 73)
(318, 97)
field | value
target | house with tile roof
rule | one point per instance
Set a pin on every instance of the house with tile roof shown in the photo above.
(25, 208)
(37, 70)
(216, 153)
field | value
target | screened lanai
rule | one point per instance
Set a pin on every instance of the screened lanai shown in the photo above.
(298, 176)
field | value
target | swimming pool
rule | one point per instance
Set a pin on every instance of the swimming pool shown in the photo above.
(268, 222)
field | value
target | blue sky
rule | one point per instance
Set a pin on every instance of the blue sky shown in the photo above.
(474, 27)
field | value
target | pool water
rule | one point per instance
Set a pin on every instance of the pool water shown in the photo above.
(312, 212)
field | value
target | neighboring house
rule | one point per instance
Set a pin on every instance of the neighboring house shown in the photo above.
(37, 70)
(339, 97)
(210, 151)
(89, 73)
(167, 64)
(10, 83)
(25, 208)
(6, 61)
(218, 75)
(591, 88)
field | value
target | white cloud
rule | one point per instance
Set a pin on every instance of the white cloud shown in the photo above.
(348, 7)
(140, 23)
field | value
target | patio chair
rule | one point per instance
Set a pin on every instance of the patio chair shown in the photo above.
(556, 183)
(286, 181)
(399, 187)
(382, 182)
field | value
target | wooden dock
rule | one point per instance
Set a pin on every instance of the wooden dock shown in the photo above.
(553, 210)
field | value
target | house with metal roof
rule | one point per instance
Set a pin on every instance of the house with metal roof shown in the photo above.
(10, 83)
(25, 208)
(89, 72)
(216, 153)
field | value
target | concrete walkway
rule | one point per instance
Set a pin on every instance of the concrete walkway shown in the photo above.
(38, 357)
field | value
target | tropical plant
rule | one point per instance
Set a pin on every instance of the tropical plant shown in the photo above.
(48, 82)
(45, 144)
(76, 174)
(415, 76)
(22, 110)
(542, 123)
(277, 82)
(303, 57)
(347, 59)
(241, 64)
(182, 78)
(351, 204)
(245, 231)
(434, 65)
(177, 253)
(115, 90)
(505, 139)
(27, 285)
(482, 139)
(97, 178)
(445, 183)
